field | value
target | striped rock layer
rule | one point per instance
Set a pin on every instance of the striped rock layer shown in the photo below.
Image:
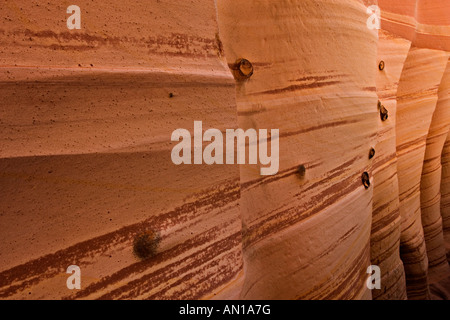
(385, 233)
(86, 118)
(421, 125)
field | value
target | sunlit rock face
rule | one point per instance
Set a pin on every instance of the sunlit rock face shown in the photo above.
(430, 186)
(85, 143)
(421, 127)
(306, 236)
(86, 119)
(414, 114)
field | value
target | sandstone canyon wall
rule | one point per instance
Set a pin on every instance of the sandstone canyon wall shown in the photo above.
(86, 118)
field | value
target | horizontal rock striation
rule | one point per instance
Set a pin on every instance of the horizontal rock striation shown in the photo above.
(85, 144)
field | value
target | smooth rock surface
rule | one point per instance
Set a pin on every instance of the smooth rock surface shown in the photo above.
(430, 184)
(385, 234)
(417, 96)
(306, 237)
(85, 144)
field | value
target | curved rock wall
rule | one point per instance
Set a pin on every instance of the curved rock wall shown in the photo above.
(316, 88)
(385, 234)
(422, 84)
(430, 184)
(86, 124)
(414, 114)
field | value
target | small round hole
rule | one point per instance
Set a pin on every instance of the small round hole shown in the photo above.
(384, 114)
(301, 171)
(365, 180)
(242, 69)
(146, 244)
